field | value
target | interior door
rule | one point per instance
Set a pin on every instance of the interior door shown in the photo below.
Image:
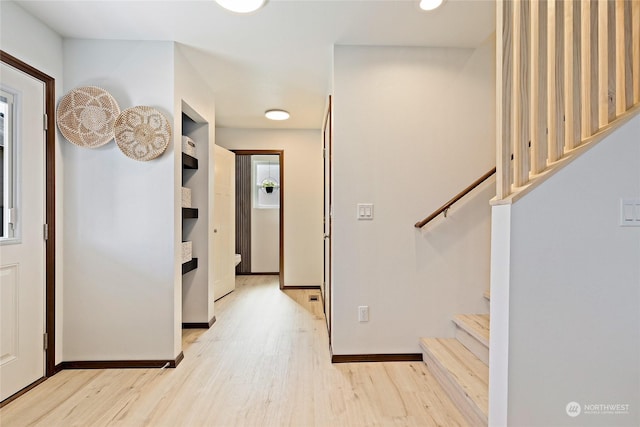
(326, 138)
(22, 245)
(224, 222)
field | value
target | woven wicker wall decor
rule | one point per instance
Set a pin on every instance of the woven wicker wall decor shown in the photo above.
(142, 133)
(86, 116)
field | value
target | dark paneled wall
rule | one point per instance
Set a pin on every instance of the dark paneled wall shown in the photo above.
(243, 212)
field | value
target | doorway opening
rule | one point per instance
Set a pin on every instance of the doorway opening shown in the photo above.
(260, 212)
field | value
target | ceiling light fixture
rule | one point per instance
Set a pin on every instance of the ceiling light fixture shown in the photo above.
(430, 4)
(276, 114)
(241, 6)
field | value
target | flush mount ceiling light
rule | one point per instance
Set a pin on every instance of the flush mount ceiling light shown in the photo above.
(276, 114)
(241, 6)
(430, 4)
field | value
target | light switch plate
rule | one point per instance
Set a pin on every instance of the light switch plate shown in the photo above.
(365, 211)
(363, 313)
(630, 212)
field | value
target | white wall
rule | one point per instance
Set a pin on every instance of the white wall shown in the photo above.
(194, 292)
(302, 197)
(265, 240)
(120, 232)
(412, 127)
(499, 339)
(29, 40)
(574, 291)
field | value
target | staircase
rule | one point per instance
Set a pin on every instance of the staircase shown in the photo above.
(461, 365)
(545, 120)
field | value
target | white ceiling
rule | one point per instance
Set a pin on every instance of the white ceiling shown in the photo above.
(277, 57)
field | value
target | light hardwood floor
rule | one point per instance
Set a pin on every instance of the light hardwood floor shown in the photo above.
(265, 362)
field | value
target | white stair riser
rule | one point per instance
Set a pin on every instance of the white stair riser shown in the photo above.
(468, 410)
(476, 347)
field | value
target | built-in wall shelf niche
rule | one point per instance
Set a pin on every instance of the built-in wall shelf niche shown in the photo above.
(189, 178)
(189, 213)
(195, 158)
(189, 265)
(189, 162)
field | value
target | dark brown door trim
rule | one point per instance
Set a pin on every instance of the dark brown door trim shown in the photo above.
(50, 188)
(327, 167)
(279, 153)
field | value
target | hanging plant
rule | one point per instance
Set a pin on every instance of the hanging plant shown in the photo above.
(269, 185)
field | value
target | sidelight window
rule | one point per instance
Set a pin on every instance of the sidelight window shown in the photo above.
(7, 166)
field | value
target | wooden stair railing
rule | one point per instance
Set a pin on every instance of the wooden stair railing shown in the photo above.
(444, 208)
(567, 73)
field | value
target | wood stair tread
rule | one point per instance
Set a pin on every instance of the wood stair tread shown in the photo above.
(468, 375)
(487, 295)
(477, 325)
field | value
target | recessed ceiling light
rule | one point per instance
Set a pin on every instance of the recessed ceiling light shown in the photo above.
(241, 6)
(276, 114)
(430, 4)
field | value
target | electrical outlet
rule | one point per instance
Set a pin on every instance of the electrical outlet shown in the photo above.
(363, 313)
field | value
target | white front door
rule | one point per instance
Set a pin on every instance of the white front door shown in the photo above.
(224, 222)
(22, 245)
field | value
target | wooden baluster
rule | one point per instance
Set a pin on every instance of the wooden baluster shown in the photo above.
(585, 68)
(503, 98)
(559, 76)
(572, 73)
(516, 94)
(595, 122)
(552, 87)
(521, 106)
(525, 87)
(534, 87)
(635, 23)
(569, 116)
(628, 55)
(619, 58)
(611, 62)
(577, 72)
(560, 83)
(603, 64)
(542, 78)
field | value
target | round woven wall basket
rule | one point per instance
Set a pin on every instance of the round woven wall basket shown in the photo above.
(142, 133)
(86, 116)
